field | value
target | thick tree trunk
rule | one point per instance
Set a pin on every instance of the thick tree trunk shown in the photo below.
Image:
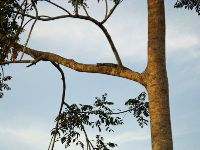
(156, 78)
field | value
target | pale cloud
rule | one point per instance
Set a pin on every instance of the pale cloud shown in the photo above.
(131, 136)
(28, 136)
(33, 137)
(180, 41)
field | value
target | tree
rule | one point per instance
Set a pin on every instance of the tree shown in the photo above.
(154, 78)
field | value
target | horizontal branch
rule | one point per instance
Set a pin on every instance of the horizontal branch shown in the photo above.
(16, 62)
(101, 68)
(100, 113)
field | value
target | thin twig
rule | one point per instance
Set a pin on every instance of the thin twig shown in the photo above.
(2, 70)
(50, 143)
(85, 10)
(16, 62)
(29, 35)
(111, 12)
(88, 142)
(26, 23)
(112, 45)
(106, 13)
(36, 61)
(97, 113)
(76, 8)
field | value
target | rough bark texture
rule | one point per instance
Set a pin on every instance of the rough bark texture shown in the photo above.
(156, 78)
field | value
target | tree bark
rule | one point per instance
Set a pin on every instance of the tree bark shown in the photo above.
(156, 78)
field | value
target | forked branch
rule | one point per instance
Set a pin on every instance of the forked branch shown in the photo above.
(75, 15)
(99, 24)
(111, 11)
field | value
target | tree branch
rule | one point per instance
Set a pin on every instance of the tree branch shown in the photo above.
(16, 62)
(111, 12)
(102, 68)
(86, 12)
(96, 22)
(29, 34)
(62, 103)
(88, 142)
(106, 11)
(76, 7)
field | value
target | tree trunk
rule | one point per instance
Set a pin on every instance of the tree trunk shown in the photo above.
(156, 78)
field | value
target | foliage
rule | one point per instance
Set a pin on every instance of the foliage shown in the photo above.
(75, 118)
(188, 4)
(8, 27)
(140, 108)
(3, 85)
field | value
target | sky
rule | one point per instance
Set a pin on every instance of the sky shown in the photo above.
(27, 112)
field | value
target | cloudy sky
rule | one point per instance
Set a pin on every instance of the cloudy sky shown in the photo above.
(27, 112)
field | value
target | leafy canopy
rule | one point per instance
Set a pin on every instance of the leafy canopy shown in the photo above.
(188, 4)
(75, 119)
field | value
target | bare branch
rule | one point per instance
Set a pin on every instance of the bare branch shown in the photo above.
(111, 12)
(85, 10)
(16, 62)
(76, 8)
(29, 35)
(26, 23)
(2, 72)
(103, 68)
(88, 142)
(62, 103)
(117, 57)
(106, 3)
(36, 61)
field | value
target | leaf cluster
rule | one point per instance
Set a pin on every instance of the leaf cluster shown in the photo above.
(3, 85)
(12, 24)
(75, 118)
(8, 27)
(139, 108)
(188, 4)
(101, 145)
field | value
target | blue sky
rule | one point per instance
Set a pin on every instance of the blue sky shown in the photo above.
(27, 112)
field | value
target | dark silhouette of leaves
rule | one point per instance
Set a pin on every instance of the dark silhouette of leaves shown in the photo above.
(188, 4)
(73, 120)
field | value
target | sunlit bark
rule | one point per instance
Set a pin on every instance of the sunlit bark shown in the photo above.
(156, 78)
